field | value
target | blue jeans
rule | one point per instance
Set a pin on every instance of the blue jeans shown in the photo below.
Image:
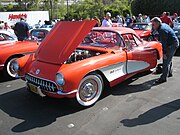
(167, 60)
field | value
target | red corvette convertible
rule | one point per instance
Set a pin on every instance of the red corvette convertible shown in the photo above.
(13, 50)
(70, 63)
(143, 30)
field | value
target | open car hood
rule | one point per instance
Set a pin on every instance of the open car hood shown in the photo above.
(62, 40)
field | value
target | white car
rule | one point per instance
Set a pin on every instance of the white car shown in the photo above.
(7, 36)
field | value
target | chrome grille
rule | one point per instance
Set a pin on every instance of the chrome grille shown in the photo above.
(44, 84)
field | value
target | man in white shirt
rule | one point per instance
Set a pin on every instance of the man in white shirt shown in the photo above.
(107, 21)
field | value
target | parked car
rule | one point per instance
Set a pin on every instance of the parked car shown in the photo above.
(74, 64)
(7, 37)
(143, 30)
(47, 26)
(177, 27)
(39, 34)
(11, 51)
(117, 25)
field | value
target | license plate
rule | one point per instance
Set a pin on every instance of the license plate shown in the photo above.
(36, 90)
(33, 88)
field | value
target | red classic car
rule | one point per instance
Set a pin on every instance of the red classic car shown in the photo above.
(13, 50)
(74, 64)
(143, 30)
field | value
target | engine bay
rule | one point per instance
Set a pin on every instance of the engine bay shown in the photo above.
(81, 54)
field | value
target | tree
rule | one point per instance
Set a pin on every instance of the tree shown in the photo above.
(86, 9)
(154, 7)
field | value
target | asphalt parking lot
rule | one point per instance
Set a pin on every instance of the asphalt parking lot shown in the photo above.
(134, 107)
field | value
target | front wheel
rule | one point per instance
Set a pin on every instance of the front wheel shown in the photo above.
(9, 72)
(89, 90)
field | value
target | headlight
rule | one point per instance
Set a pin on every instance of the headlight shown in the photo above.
(60, 79)
(16, 66)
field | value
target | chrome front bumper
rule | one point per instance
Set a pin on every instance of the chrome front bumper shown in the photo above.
(45, 85)
(1, 66)
(66, 93)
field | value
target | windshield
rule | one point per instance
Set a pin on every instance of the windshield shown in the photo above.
(142, 27)
(46, 26)
(103, 39)
(38, 34)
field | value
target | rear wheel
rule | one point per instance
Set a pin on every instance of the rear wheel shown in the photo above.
(9, 72)
(89, 91)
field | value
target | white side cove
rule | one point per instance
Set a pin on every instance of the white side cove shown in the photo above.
(118, 70)
(134, 66)
(114, 71)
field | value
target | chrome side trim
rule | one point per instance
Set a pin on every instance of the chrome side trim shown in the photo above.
(134, 66)
(114, 71)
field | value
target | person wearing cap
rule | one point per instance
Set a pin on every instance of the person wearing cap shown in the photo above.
(107, 20)
(169, 42)
(21, 30)
(140, 18)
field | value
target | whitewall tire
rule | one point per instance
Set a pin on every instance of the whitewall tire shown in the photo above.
(89, 90)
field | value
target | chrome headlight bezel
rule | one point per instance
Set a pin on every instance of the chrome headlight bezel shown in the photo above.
(60, 79)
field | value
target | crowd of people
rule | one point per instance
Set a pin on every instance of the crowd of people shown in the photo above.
(128, 21)
(107, 21)
(162, 26)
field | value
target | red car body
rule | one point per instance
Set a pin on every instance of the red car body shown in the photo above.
(12, 51)
(65, 65)
(143, 30)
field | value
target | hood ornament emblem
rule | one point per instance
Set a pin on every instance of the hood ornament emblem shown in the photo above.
(37, 71)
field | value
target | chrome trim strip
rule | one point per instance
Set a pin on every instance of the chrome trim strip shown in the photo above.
(67, 93)
(2, 65)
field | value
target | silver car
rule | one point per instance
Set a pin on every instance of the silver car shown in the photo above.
(177, 27)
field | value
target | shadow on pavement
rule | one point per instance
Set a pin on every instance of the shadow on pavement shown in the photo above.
(127, 88)
(33, 110)
(2, 79)
(39, 112)
(153, 115)
(177, 52)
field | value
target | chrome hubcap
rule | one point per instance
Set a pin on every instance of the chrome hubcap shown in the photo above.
(10, 68)
(88, 90)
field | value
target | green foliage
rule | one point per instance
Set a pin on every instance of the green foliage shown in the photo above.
(154, 7)
(85, 9)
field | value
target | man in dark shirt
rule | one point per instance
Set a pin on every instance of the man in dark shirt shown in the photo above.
(169, 43)
(128, 21)
(21, 30)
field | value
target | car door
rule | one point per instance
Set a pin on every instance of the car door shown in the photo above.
(139, 57)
